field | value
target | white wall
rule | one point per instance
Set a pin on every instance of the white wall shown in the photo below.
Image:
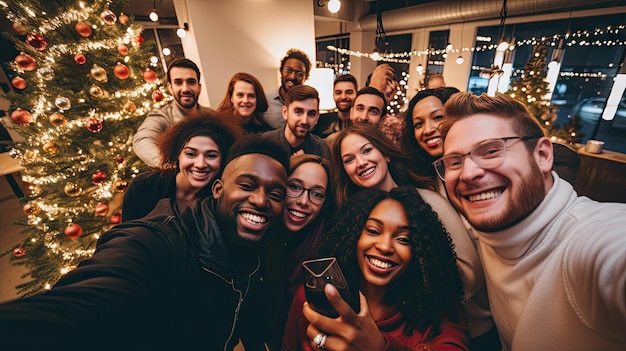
(229, 36)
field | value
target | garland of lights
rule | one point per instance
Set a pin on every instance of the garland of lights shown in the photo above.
(573, 39)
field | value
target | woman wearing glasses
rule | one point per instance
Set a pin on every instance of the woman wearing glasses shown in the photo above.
(307, 207)
(362, 157)
(397, 257)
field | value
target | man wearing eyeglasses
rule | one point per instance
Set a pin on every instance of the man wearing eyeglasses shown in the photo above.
(295, 68)
(554, 262)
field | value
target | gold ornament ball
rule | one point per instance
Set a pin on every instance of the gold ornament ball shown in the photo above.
(123, 18)
(129, 107)
(120, 185)
(51, 147)
(31, 208)
(62, 103)
(96, 91)
(72, 189)
(98, 73)
(57, 119)
(19, 28)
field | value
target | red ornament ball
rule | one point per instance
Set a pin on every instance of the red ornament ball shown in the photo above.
(19, 28)
(139, 39)
(19, 252)
(83, 29)
(37, 42)
(20, 116)
(116, 218)
(25, 62)
(157, 96)
(108, 16)
(93, 125)
(123, 50)
(98, 177)
(73, 231)
(149, 76)
(101, 209)
(18, 83)
(121, 71)
(80, 59)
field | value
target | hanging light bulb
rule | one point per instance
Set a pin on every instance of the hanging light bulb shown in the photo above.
(449, 47)
(182, 32)
(459, 60)
(334, 6)
(419, 69)
(154, 16)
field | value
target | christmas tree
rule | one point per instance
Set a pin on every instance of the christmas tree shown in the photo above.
(83, 83)
(531, 88)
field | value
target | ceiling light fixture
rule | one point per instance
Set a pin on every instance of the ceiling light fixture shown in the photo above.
(182, 32)
(333, 5)
(154, 16)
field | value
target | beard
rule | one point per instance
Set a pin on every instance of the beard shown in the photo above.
(191, 104)
(227, 221)
(531, 193)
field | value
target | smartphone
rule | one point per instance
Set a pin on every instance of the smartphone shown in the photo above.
(318, 273)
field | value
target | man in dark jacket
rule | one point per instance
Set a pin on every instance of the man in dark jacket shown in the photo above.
(173, 280)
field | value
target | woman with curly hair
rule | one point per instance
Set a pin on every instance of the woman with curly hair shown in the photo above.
(394, 249)
(308, 205)
(193, 154)
(245, 101)
(362, 158)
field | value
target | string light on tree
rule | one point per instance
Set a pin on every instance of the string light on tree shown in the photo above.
(82, 107)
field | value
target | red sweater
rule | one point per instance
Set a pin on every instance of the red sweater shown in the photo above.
(453, 336)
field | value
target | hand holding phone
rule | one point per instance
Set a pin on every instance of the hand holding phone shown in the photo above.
(318, 273)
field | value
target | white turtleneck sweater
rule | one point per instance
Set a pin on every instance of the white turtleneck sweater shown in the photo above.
(557, 280)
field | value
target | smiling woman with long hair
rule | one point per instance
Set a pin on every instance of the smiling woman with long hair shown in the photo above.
(392, 248)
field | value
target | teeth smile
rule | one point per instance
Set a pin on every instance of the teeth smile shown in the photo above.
(252, 218)
(379, 264)
(200, 174)
(433, 141)
(484, 196)
(367, 172)
(297, 213)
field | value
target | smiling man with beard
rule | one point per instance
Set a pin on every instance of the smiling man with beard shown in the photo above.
(301, 112)
(172, 280)
(295, 68)
(183, 82)
(554, 262)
